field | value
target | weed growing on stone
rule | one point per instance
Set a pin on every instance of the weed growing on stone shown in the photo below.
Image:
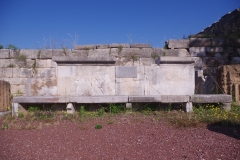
(11, 66)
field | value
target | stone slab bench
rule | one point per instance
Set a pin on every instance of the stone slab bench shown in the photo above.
(187, 99)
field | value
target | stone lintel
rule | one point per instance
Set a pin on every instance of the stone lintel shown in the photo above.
(211, 98)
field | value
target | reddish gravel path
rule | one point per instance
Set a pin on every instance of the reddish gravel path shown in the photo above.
(122, 137)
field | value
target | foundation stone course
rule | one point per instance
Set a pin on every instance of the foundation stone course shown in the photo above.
(4, 53)
(179, 44)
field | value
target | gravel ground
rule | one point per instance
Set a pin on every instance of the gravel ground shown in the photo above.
(122, 137)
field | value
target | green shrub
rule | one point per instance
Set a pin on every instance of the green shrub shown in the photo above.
(115, 109)
(101, 111)
(10, 46)
(4, 126)
(82, 111)
(33, 109)
(98, 126)
(1, 46)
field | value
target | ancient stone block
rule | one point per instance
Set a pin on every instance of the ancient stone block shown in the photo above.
(84, 47)
(219, 49)
(116, 45)
(16, 72)
(4, 62)
(25, 73)
(140, 46)
(131, 86)
(36, 53)
(4, 53)
(198, 62)
(197, 51)
(146, 61)
(126, 72)
(16, 81)
(234, 60)
(41, 63)
(218, 42)
(7, 72)
(200, 42)
(46, 54)
(177, 53)
(27, 53)
(114, 51)
(59, 52)
(102, 46)
(99, 53)
(157, 51)
(80, 53)
(135, 53)
(1, 73)
(178, 43)
(210, 62)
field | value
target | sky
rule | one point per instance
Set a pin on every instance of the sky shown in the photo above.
(39, 24)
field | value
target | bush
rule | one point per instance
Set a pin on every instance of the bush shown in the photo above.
(1, 46)
(115, 109)
(10, 46)
(98, 126)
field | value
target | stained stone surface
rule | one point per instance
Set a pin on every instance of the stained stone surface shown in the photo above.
(126, 72)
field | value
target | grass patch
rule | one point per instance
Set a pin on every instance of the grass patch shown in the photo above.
(98, 126)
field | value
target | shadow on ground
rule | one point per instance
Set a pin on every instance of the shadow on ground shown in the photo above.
(231, 131)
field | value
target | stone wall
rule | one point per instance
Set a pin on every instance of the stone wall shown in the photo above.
(209, 54)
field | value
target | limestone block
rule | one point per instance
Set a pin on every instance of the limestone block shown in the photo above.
(13, 53)
(235, 60)
(16, 72)
(62, 52)
(140, 46)
(178, 43)
(200, 42)
(44, 84)
(4, 53)
(170, 79)
(17, 63)
(7, 72)
(80, 53)
(16, 81)
(218, 42)
(157, 51)
(4, 63)
(46, 54)
(29, 63)
(86, 80)
(50, 63)
(102, 46)
(36, 53)
(41, 63)
(114, 52)
(222, 60)
(198, 62)
(131, 86)
(84, 47)
(27, 53)
(115, 45)
(25, 73)
(233, 42)
(197, 51)
(146, 61)
(1, 72)
(177, 53)
(210, 62)
(219, 49)
(99, 52)
(135, 53)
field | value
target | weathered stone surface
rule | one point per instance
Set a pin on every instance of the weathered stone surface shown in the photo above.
(197, 51)
(86, 80)
(235, 60)
(102, 46)
(198, 62)
(99, 99)
(140, 46)
(218, 42)
(157, 51)
(233, 42)
(4, 53)
(116, 45)
(146, 61)
(44, 84)
(16, 72)
(219, 49)
(114, 52)
(210, 62)
(4, 63)
(219, 98)
(46, 54)
(200, 42)
(99, 53)
(169, 79)
(82, 60)
(131, 86)
(177, 60)
(44, 63)
(60, 52)
(41, 99)
(27, 53)
(7, 72)
(1, 73)
(177, 53)
(16, 81)
(178, 43)
(80, 53)
(36, 53)
(135, 53)
(85, 47)
(25, 73)
(174, 98)
(126, 72)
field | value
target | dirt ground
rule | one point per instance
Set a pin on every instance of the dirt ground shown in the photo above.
(121, 137)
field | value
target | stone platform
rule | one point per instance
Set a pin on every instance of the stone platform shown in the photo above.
(187, 99)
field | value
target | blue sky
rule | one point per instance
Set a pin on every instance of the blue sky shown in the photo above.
(54, 23)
